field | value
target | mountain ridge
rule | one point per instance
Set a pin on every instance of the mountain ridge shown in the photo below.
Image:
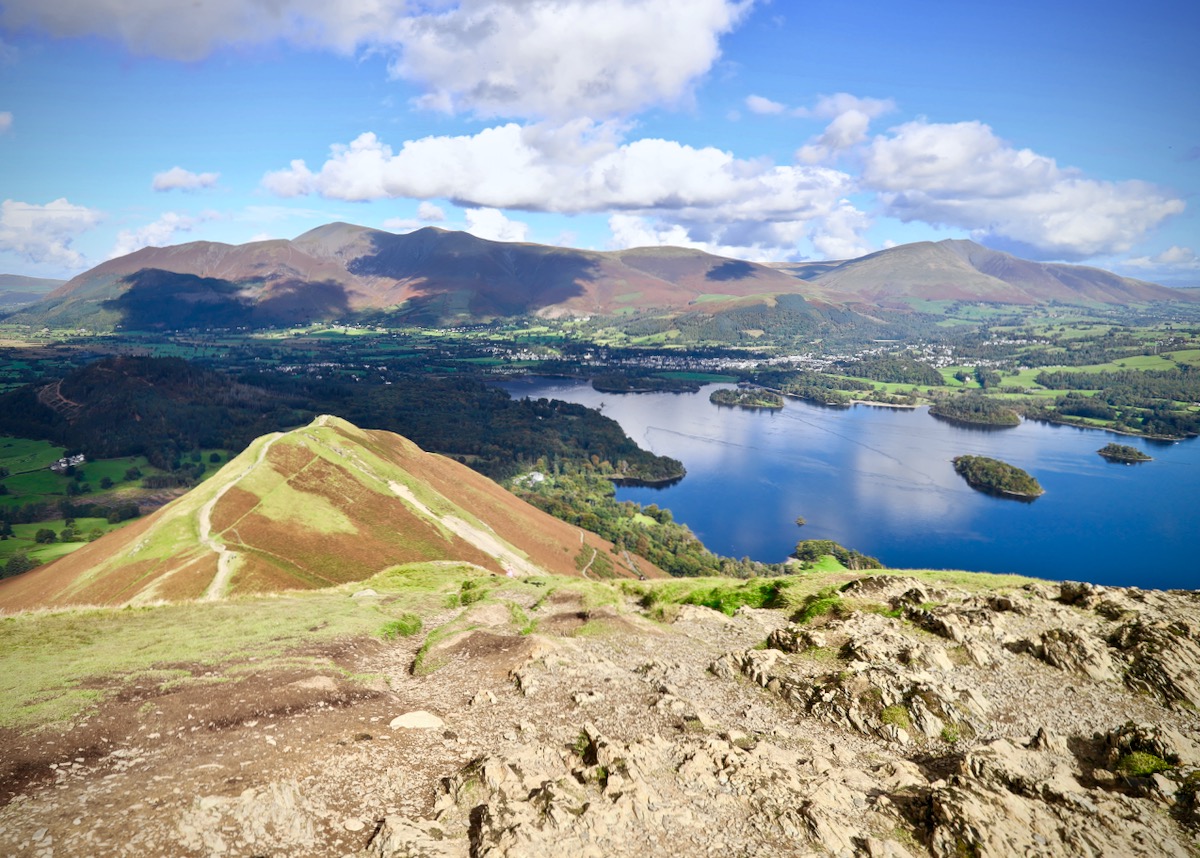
(314, 507)
(431, 275)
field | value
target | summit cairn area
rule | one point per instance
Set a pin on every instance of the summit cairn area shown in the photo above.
(441, 710)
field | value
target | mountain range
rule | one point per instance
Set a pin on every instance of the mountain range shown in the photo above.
(18, 291)
(325, 504)
(340, 271)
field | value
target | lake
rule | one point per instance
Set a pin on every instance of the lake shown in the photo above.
(880, 480)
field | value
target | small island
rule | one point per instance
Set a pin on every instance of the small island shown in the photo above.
(746, 397)
(1122, 453)
(996, 477)
(974, 409)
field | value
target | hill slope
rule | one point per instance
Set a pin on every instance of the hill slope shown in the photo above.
(959, 270)
(318, 506)
(18, 291)
(429, 275)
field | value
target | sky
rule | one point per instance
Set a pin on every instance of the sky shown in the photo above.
(771, 131)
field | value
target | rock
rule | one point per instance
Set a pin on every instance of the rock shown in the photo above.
(367, 593)
(417, 720)
(1164, 659)
(398, 837)
(1075, 653)
(1080, 594)
(353, 824)
(316, 683)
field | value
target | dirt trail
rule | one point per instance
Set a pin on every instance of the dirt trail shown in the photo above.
(487, 542)
(225, 557)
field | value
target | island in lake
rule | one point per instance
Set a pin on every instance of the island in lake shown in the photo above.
(974, 409)
(996, 477)
(746, 397)
(1122, 453)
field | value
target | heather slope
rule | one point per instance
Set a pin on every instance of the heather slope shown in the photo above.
(319, 506)
(959, 270)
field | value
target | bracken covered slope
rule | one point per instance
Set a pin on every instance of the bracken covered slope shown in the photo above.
(314, 507)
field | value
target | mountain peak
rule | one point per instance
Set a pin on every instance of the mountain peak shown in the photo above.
(321, 505)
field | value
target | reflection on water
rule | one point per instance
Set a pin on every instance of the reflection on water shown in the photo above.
(880, 480)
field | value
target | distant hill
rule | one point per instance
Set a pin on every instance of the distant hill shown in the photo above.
(19, 291)
(435, 276)
(314, 507)
(429, 276)
(960, 270)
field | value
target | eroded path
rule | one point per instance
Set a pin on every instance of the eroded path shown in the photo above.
(225, 557)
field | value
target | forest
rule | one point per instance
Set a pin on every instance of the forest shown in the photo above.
(975, 409)
(997, 477)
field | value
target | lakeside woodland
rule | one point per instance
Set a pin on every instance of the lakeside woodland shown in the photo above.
(166, 402)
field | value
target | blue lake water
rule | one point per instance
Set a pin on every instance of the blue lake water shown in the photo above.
(880, 480)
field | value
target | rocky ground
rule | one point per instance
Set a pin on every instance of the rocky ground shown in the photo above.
(897, 719)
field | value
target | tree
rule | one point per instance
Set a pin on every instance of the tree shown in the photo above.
(106, 483)
(44, 536)
(18, 563)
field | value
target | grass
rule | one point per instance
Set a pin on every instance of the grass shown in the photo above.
(1140, 764)
(721, 594)
(404, 627)
(23, 538)
(55, 665)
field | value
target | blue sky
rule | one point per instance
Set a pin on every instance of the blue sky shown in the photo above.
(764, 130)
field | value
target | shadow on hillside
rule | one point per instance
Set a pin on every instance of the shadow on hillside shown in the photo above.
(458, 273)
(165, 300)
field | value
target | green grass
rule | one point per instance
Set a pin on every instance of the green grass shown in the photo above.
(47, 658)
(404, 627)
(23, 538)
(1140, 764)
(22, 454)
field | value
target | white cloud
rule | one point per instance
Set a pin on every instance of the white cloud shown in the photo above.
(839, 235)
(758, 104)
(833, 106)
(43, 234)
(160, 233)
(166, 28)
(178, 178)
(430, 213)
(567, 170)
(1174, 257)
(6, 121)
(551, 58)
(850, 120)
(835, 235)
(495, 226)
(963, 175)
(562, 58)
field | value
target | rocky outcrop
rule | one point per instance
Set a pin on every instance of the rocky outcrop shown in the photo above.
(914, 720)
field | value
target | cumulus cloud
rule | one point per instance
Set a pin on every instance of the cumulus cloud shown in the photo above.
(552, 58)
(755, 241)
(168, 29)
(159, 233)
(6, 121)
(430, 213)
(494, 225)
(581, 170)
(44, 233)
(758, 104)
(850, 119)
(180, 179)
(1174, 258)
(963, 175)
(559, 58)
